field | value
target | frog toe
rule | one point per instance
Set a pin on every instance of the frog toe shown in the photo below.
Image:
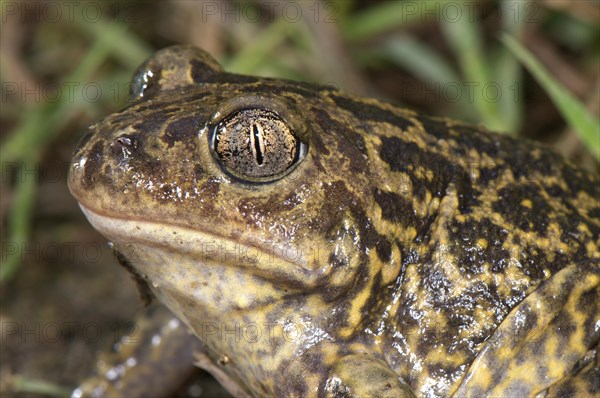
(362, 375)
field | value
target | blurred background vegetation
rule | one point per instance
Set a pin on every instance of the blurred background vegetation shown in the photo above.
(528, 68)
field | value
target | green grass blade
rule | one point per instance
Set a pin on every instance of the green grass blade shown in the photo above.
(252, 55)
(427, 65)
(42, 125)
(334, 10)
(506, 70)
(583, 122)
(29, 386)
(386, 16)
(508, 76)
(127, 48)
(419, 59)
(45, 121)
(19, 219)
(464, 36)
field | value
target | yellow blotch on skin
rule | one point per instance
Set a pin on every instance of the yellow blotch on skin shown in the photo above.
(526, 203)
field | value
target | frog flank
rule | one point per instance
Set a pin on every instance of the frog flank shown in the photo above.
(364, 249)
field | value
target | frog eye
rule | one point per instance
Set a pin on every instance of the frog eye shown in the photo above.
(143, 81)
(173, 67)
(256, 145)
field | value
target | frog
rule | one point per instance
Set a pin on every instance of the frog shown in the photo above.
(320, 244)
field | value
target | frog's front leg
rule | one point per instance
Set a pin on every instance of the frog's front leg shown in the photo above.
(156, 360)
(550, 337)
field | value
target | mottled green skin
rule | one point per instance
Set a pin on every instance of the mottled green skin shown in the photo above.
(428, 257)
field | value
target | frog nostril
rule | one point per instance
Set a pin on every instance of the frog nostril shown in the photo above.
(127, 141)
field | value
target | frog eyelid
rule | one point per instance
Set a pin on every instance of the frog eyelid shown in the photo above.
(171, 68)
(285, 110)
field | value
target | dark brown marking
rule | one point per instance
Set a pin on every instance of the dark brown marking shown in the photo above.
(91, 170)
(405, 156)
(152, 122)
(398, 209)
(473, 257)
(438, 128)
(384, 250)
(201, 71)
(84, 140)
(142, 284)
(181, 130)
(534, 218)
(232, 78)
(367, 112)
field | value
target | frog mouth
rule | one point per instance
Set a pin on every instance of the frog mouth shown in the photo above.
(268, 261)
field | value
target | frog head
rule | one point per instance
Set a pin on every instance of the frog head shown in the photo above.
(209, 181)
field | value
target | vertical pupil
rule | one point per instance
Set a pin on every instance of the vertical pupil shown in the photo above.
(257, 144)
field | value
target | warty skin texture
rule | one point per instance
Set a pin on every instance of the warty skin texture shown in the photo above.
(400, 255)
